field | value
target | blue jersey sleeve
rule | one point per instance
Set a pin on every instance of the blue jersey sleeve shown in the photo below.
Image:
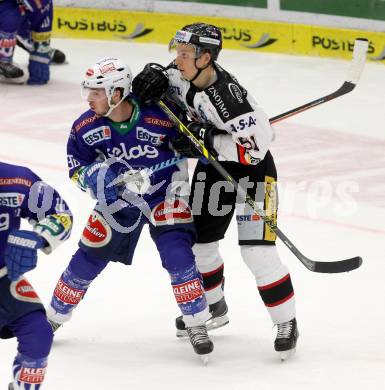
(47, 212)
(79, 154)
(24, 195)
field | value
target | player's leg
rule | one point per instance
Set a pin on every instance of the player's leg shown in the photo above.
(34, 336)
(10, 19)
(174, 241)
(72, 286)
(260, 254)
(22, 315)
(100, 243)
(40, 21)
(178, 259)
(31, 22)
(212, 201)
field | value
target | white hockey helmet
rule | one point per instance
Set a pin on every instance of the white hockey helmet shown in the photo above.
(110, 74)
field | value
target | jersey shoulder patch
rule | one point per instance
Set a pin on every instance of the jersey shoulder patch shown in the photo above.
(227, 96)
(85, 121)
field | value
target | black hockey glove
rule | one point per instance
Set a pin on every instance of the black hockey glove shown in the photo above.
(151, 83)
(203, 132)
(184, 147)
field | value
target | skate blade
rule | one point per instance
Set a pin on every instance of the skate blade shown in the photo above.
(181, 333)
(217, 322)
(16, 81)
(286, 355)
(211, 324)
(205, 359)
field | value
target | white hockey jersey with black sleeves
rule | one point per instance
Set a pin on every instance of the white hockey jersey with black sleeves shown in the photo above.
(228, 106)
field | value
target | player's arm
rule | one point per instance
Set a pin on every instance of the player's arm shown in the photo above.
(87, 168)
(249, 141)
(51, 219)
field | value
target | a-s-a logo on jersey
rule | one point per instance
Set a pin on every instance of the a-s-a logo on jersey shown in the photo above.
(97, 135)
(11, 199)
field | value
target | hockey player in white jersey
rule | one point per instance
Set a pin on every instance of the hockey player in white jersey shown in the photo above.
(237, 132)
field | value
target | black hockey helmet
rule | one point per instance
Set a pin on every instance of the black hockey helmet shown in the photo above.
(204, 37)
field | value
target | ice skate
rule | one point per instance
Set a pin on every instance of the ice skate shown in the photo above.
(200, 341)
(54, 325)
(10, 73)
(57, 57)
(218, 318)
(10, 387)
(286, 340)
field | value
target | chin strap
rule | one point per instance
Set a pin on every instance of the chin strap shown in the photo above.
(112, 107)
(199, 69)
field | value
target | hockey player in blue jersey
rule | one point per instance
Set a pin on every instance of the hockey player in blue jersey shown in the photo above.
(31, 20)
(22, 315)
(115, 150)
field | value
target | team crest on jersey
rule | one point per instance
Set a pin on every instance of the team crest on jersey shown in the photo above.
(11, 199)
(171, 212)
(143, 134)
(22, 290)
(99, 134)
(236, 92)
(97, 232)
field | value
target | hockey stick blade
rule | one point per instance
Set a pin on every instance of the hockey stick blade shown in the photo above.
(356, 66)
(338, 266)
(315, 266)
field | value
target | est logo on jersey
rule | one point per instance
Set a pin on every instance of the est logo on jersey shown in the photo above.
(248, 218)
(97, 135)
(11, 199)
(143, 134)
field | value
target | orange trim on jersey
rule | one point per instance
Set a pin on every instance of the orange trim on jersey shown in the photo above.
(241, 155)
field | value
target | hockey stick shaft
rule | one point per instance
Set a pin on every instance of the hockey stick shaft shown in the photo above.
(356, 66)
(330, 267)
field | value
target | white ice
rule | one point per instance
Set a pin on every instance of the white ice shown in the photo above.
(332, 179)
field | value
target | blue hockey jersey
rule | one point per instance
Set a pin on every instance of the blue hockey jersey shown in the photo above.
(141, 143)
(24, 195)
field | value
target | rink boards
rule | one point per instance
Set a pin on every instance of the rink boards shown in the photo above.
(239, 34)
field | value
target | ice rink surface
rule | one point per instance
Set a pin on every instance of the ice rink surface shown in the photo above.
(331, 167)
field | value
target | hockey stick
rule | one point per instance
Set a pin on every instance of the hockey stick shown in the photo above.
(356, 66)
(355, 70)
(354, 73)
(315, 266)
